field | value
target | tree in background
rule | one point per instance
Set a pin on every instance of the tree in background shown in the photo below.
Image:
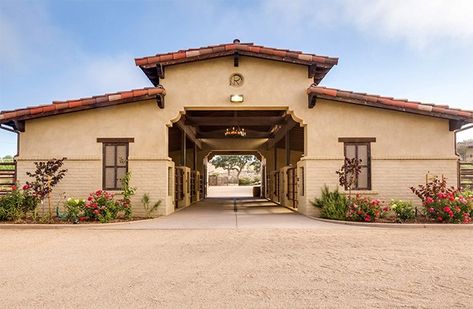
(234, 163)
(256, 164)
(7, 159)
(462, 147)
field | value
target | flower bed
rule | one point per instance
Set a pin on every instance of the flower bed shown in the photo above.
(21, 204)
(440, 204)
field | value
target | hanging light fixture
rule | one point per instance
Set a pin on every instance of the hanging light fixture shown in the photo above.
(235, 130)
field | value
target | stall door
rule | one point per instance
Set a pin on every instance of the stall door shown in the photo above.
(292, 187)
(179, 186)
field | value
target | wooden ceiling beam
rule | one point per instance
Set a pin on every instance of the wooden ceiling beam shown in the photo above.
(280, 134)
(190, 132)
(241, 121)
(221, 134)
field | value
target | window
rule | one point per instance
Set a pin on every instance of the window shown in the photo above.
(360, 148)
(114, 162)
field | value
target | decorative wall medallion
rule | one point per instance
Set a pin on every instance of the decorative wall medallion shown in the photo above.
(236, 80)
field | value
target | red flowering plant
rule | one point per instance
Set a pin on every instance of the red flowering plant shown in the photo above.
(100, 206)
(450, 207)
(365, 209)
(444, 204)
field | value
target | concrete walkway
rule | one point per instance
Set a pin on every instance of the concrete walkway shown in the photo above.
(229, 191)
(219, 213)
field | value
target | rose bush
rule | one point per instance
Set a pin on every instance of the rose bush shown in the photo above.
(445, 204)
(364, 209)
(100, 206)
(451, 207)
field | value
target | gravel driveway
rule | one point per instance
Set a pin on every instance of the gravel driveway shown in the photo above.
(339, 267)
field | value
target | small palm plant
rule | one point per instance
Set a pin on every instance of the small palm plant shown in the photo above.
(145, 200)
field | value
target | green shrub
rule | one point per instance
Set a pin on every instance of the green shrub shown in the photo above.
(17, 203)
(245, 181)
(333, 205)
(127, 192)
(73, 209)
(10, 206)
(403, 210)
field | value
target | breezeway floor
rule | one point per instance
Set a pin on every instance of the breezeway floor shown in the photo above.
(229, 191)
(230, 213)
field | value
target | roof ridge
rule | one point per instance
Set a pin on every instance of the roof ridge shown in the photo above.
(193, 52)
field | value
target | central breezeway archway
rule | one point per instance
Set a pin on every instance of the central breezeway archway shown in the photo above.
(234, 174)
(273, 135)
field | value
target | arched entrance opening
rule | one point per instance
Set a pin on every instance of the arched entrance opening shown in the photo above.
(273, 136)
(234, 174)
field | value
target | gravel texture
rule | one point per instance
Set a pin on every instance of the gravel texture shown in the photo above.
(237, 268)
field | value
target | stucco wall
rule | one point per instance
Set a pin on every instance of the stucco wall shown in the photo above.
(407, 146)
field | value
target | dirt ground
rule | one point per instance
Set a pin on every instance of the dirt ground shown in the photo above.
(237, 268)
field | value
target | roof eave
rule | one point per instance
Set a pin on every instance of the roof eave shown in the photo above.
(422, 109)
(57, 108)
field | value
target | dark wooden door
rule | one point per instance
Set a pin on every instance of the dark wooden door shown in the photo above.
(193, 187)
(292, 187)
(179, 186)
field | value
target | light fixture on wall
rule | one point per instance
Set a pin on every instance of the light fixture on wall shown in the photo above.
(237, 98)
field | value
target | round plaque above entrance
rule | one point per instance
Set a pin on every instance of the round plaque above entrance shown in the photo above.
(236, 80)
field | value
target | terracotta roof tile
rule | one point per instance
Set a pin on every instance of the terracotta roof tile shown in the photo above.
(250, 48)
(59, 107)
(441, 111)
(73, 104)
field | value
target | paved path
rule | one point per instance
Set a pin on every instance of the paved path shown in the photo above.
(229, 191)
(218, 213)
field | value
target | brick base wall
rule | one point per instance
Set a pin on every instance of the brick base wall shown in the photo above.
(85, 176)
(391, 178)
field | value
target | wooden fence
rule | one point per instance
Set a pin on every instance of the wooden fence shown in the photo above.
(466, 175)
(7, 176)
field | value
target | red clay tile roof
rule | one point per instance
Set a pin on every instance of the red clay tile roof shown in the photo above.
(61, 107)
(323, 64)
(441, 111)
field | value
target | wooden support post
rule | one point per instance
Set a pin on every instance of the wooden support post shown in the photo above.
(195, 157)
(288, 149)
(275, 157)
(183, 148)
